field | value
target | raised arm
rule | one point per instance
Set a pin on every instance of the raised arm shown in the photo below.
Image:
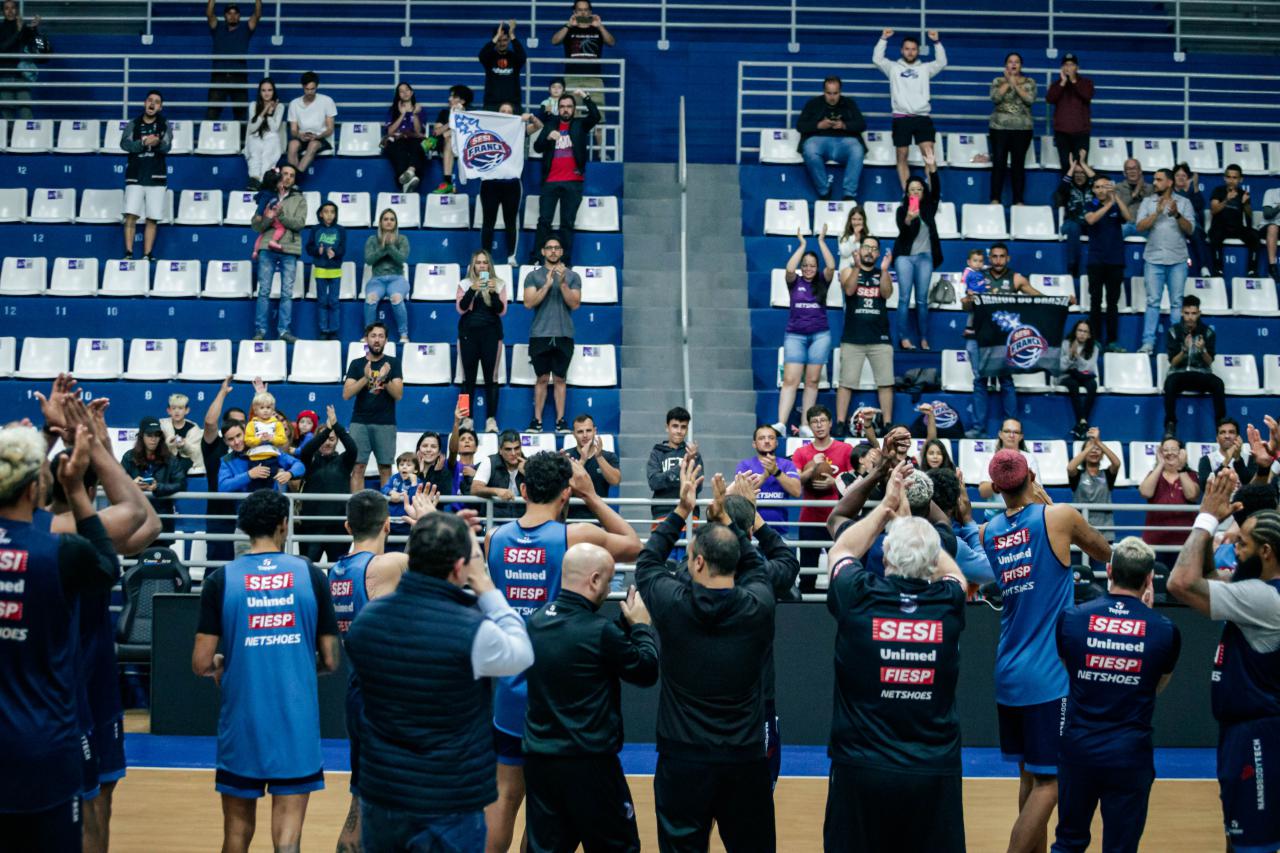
(614, 535)
(794, 262)
(856, 539)
(1187, 581)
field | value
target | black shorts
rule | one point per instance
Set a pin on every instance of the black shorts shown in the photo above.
(55, 830)
(909, 129)
(551, 355)
(247, 788)
(1029, 734)
(1251, 820)
(508, 748)
(880, 809)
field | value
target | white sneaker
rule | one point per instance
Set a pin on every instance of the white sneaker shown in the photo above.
(780, 428)
(491, 425)
(805, 432)
(511, 260)
(1146, 349)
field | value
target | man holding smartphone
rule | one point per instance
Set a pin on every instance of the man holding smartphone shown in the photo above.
(503, 59)
(584, 38)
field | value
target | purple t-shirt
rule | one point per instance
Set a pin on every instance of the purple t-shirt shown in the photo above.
(770, 489)
(808, 315)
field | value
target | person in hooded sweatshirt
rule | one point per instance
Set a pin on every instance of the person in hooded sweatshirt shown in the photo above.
(327, 246)
(665, 459)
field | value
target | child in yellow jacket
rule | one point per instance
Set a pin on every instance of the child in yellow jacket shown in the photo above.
(265, 436)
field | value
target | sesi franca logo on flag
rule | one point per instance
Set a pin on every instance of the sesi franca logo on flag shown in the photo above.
(482, 150)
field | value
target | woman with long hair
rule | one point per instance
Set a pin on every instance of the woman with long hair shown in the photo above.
(855, 230)
(917, 251)
(156, 470)
(402, 134)
(1078, 360)
(481, 301)
(807, 343)
(502, 195)
(386, 251)
(936, 455)
(264, 138)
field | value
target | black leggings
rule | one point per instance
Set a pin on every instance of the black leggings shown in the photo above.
(479, 345)
(1082, 390)
(1006, 144)
(405, 153)
(1105, 279)
(506, 194)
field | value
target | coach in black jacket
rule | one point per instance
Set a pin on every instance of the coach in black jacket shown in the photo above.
(716, 627)
(575, 789)
(563, 146)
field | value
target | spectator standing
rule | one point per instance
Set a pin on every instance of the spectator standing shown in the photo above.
(1192, 347)
(441, 139)
(146, 140)
(1133, 190)
(909, 93)
(328, 473)
(1011, 128)
(1071, 96)
(1169, 482)
(387, 251)
(831, 128)
(286, 216)
(213, 447)
(155, 470)
(1232, 219)
(601, 465)
(264, 137)
(402, 135)
(1073, 196)
(229, 77)
(481, 301)
(584, 38)
(665, 459)
(553, 292)
(1105, 217)
(806, 345)
(917, 251)
(327, 247)
(998, 278)
(1187, 184)
(180, 434)
(500, 476)
(376, 381)
(563, 146)
(780, 480)
(819, 462)
(1230, 451)
(1091, 483)
(1078, 366)
(15, 36)
(865, 337)
(311, 123)
(850, 242)
(1271, 228)
(503, 59)
(502, 195)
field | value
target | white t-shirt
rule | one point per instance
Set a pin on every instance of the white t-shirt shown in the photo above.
(483, 470)
(310, 117)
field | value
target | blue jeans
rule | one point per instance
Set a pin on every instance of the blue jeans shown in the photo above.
(1198, 247)
(269, 261)
(387, 829)
(327, 303)
(1158, 277)
(981, 402)
(914, 272)
(388, 286)
(1071, 231)
(845, 150)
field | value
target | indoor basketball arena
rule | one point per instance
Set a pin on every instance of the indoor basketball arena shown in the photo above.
(549, 425)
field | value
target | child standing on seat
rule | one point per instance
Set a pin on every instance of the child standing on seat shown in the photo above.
(403, 483)
(264, 437)
(327, 245)
(268, 195)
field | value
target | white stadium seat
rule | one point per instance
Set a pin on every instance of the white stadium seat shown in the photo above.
(881, 219)
(606, 442)
(1197, 450)
(425, 364)
(241, 206)
(1108, 153)
(599, 285)
(522, 359)
(1153, 153)
(206, 360)
(1254, 297)
(261, 359)
(228, 279)
(779, 295)
(359, 139)
(123, 440)
(13, 204)
(44, 358)
(346, 284)
(879, 149)
(824, 379)
(1048, 153)
(598, 213)
(24, 276)
(1052, 459)
(74, 277)
(408, 208)
(1127, 373)
(8, 353)
(1200, 154)
(973, 457)
(101, 207)
(1143, 456)
(1246, 155)
(353, 209)
(780, 146)
(435, 282)
(448, 210)
(125, 277)
(166, 214)
(536, 442)
(831, 214)
(1239, 373)
(916, 158)
(153, 359)
(1116, 447)
(1033, 222)
(1053, 285)
(31, 136)
(52, 205)
(946, 222)
(1212, 293)
(1271, 373)
(957, 372)
(984, 222)
(314, 201)
(99, 358)
(184, 137)
(318, 362)
(176, 279)
(593, 366)
(356, 349)
(786, 216)
(962, 148)
(1033, 383)
(78, 136)
(200, 207)
(111, 133)
(219, 137)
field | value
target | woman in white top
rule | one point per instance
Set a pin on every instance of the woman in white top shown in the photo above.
(855, 229)
(264, 140)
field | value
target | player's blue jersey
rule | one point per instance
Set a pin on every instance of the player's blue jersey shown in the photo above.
(1246, 683)
(525, 566)
(1037, 587)
(346, 585)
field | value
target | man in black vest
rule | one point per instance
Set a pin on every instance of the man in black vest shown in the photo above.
(501, 475)
(426, 760)
(563, 146)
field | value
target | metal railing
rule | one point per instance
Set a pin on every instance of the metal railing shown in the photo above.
(682, 177)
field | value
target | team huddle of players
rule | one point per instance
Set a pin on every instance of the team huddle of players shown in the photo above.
(1075, 685)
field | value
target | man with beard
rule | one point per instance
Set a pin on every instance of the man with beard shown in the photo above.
(563, 146)
(780, 478)
(376, 382)
(866, 331)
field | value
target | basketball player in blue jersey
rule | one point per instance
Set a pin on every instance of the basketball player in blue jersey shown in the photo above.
(42, 578)
(1119, 654)
(1246, 668)
(272, 613)
(524, 560)
(1029, 548)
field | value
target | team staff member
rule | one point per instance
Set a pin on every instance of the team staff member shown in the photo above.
(273, 613)
(715, 631)
(525, 559)
(1029, 548)
(1119, 654)
(895, 736)
(573, 729)
(1246, 668)
(45, 575)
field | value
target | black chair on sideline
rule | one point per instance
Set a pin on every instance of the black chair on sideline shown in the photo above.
(158, 570)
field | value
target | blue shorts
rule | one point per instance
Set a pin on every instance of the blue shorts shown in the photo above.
(1251, 822)
(233, 785)
(89, 785)
(806, 349)
(509, 748)
(108, 749)
(1029, 734)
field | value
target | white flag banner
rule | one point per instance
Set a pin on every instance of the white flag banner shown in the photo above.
(488, 145)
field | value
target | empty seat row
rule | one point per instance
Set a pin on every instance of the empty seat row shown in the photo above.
(234, 279)
(979, 221)
(156, 360)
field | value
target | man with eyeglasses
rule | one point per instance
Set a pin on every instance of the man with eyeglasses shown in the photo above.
(866, 331)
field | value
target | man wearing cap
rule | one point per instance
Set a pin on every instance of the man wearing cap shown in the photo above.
(1070, 94)
(1029, 548)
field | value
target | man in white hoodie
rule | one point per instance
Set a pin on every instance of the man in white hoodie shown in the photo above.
(909, 92)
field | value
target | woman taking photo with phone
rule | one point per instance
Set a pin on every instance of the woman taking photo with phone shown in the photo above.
(481, 300)
(156, 470)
